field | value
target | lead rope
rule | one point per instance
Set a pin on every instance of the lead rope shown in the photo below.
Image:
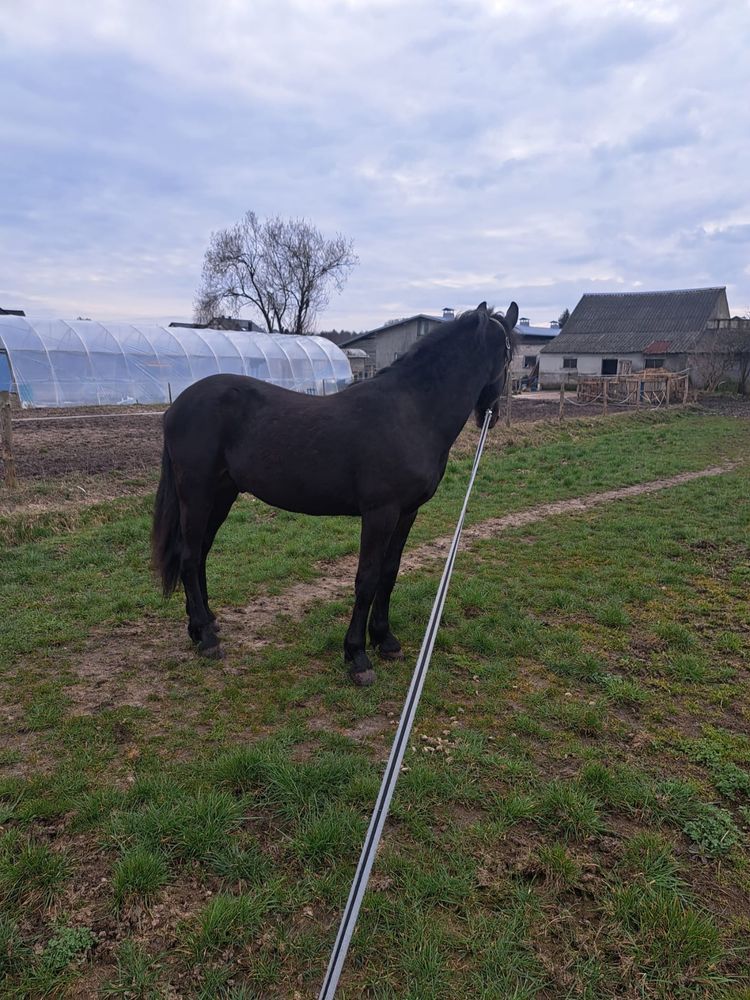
(393, 767)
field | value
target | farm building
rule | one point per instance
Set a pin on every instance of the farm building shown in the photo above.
(383, 345)
(84, 363)
(616, 333)
(529, 342)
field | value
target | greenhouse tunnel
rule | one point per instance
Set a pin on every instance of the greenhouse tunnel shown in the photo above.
(87, 363)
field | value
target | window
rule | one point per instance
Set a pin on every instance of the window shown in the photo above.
(529, 360)
(655, 362)
(570, 362)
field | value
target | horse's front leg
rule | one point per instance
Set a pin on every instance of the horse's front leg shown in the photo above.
(377, 528)
(381, 636)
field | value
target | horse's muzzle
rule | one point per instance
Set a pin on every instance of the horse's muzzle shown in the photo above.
(479, 417)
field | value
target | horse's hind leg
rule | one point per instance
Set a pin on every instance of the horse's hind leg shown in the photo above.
(194, 517)
(377, 528)
(381, 636)
(226, 494)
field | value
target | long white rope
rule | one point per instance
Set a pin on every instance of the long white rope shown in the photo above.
(393, 767)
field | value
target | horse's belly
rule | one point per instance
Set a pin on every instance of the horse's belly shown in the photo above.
(311, 506)
(302, 500)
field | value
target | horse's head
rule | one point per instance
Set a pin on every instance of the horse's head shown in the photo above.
(497, 333)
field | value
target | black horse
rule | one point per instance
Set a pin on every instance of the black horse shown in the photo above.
(376, 450)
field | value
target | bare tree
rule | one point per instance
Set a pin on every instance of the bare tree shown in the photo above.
(283, 268)
(722, 356)
(709, 365)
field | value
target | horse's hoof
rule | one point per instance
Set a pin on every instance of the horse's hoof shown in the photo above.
(362, 678)
(213, 652)
(388, 648)
(390, 654)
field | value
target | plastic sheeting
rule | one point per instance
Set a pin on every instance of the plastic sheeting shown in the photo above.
(84, 363)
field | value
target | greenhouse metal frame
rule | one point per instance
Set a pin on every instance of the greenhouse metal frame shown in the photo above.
(53, 363)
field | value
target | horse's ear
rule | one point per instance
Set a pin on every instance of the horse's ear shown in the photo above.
(482, 315)
(511, 317)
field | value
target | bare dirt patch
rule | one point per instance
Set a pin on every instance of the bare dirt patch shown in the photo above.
(54, 444)
(727, 405)
(91, 443)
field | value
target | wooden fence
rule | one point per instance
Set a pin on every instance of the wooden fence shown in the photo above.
(648, 388)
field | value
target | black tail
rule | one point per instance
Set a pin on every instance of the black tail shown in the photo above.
(166, 533)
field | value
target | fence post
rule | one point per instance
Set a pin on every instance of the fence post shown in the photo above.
(6, 434)
(604, 397)
(562, 400)
(508, 397)
(686, 389)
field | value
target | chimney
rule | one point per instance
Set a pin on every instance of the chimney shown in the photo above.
(448, 314)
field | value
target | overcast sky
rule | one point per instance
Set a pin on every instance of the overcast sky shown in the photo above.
(474, 149)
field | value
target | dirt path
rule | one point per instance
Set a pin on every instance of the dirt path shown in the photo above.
(125, 665)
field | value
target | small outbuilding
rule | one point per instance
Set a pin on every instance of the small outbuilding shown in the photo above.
(530, 340)
(387, 343)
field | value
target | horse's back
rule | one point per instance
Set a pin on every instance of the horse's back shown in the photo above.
(337, 454)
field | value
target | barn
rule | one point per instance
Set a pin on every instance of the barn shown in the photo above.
(619, 332)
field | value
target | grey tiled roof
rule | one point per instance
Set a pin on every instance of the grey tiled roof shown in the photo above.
(622, 322)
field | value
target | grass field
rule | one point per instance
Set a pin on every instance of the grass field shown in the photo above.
(572, 820)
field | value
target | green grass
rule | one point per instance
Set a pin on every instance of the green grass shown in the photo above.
(51, 971)
(181, 825)
(136, 976)
(226, 921)
(31, 873)
(140, 872)
(572, 820)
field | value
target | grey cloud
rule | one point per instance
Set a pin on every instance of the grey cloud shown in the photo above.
(733, 234)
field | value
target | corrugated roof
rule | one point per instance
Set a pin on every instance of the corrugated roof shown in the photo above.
(630, 321)
(391, 325)
(547, 332)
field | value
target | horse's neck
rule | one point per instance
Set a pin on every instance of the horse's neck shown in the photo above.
(448, 396)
